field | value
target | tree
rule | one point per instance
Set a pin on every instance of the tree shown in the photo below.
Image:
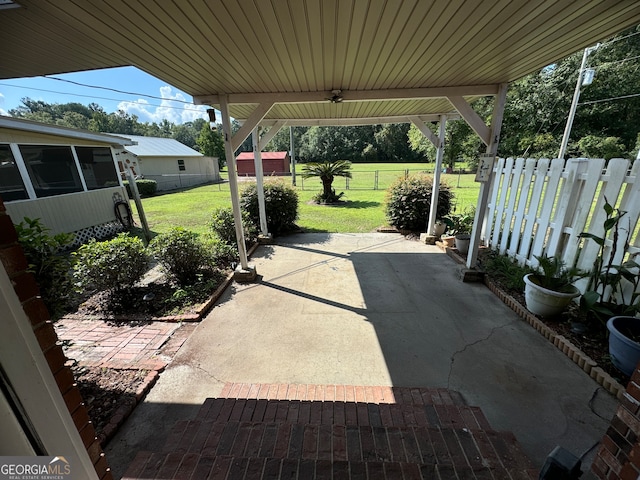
(327, 171)
(392, 143)
(593, 146)
(211, 144)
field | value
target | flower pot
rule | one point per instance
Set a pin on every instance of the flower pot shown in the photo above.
(448, 241)
(439, 229)
(544, 302)
(462, 242)
(624, 351)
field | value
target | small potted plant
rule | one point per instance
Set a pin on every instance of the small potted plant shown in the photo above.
(550, 290)
(612, 294)
(460, 226)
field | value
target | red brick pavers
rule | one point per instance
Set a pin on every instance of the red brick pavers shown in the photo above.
(280, 431)
(97, 343)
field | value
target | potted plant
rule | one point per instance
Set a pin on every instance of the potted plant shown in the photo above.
(440, 227)
(549, 291)
(612, 295)
(460, 226)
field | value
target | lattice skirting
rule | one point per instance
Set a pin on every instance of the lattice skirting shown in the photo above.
(99, 232)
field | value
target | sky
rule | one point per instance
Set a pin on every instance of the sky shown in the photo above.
(170, 103)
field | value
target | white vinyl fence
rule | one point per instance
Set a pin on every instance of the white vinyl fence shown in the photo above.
(540, 207)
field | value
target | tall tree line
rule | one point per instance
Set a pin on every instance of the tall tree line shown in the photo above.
(606, 124)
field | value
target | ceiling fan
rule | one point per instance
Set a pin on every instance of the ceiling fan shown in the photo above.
(336, 96)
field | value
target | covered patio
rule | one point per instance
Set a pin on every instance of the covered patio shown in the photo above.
(366, 311)
(274, 63)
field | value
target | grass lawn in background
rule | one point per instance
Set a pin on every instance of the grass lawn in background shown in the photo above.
(363, 212)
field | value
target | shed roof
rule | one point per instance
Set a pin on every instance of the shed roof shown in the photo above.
(386, 58)
(264, 155)
(160, 147)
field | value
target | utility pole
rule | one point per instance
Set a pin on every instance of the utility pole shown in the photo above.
(574, 102)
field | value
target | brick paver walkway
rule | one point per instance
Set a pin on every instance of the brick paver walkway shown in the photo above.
(257, 431)
(97, 343)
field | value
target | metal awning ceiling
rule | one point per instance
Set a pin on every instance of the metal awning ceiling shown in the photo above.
(388, 58)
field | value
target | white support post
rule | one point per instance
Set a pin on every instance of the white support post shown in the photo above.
(257, 161)
(485, 187)
(435, 190)
(293, 156)
(233, 184)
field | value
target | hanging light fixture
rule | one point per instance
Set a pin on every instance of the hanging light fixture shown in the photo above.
(212, 119)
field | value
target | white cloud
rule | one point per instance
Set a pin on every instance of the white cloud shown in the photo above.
(2, 110)
(171, 108)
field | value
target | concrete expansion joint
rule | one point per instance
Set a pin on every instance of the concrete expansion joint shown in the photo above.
(472, 344)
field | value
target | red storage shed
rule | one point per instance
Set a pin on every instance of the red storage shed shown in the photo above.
(273, 163)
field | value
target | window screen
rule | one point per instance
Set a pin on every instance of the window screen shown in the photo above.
(97, 167)
(181, 166)
(11, 184)
(52, 169)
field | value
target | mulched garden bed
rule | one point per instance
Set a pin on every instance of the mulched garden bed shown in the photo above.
(110, 395)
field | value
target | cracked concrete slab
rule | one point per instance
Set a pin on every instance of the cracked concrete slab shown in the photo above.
(375, 309)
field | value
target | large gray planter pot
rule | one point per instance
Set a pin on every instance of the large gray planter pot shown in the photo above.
(462, 243)
(544, 302)
(624, 351)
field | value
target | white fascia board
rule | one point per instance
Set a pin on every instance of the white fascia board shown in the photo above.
(35, 127)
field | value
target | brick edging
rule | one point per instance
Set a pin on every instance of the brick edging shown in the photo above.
(560, 341)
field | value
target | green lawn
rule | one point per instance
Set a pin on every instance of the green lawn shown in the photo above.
(363, 212)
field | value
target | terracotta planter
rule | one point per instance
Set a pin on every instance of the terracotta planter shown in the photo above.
(544, 302)
(448, 241)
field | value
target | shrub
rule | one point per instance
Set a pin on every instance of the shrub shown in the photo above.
(182, 254)
(281, 205)
(223, 255)
(113, 265)
(146, 188)
(409, 200)
(223, 226)
(47, 261)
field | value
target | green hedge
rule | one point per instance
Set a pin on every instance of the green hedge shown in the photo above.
(146, 188)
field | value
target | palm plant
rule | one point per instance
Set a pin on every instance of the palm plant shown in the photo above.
(327, 171)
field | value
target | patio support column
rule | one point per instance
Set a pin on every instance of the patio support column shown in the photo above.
(485, 187)
(233, 187)
(435, 192)
(257, 161)
(437, 142)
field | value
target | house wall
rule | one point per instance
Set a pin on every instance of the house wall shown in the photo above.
(26, 289)
(71, 212)
(619, 453)
(166, 172)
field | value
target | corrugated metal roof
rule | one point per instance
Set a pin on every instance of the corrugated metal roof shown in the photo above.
(160, 147)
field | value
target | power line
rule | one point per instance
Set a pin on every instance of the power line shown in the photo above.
(610, 99)
(124, 92)
(102, 98)
(618, 39)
